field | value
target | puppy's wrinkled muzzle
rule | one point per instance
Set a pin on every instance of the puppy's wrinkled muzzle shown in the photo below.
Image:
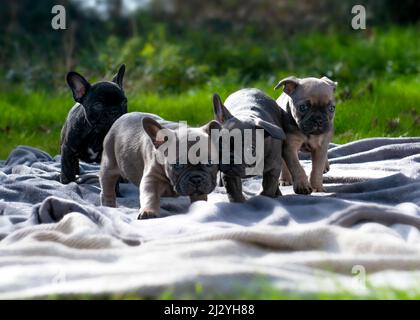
(315, 127)
(195, 184)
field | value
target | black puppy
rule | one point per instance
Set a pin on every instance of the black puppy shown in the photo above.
(88, 122)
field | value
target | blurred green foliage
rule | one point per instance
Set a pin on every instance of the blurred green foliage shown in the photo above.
(175, 45)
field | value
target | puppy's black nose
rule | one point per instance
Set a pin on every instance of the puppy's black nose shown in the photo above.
(318, 121)
(196, 179)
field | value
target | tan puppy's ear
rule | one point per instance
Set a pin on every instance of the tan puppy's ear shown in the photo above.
(290, 84)
(333, 84)
(220, 112)
(153, 130)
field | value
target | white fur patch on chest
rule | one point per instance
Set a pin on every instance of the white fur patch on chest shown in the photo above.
(92, 155)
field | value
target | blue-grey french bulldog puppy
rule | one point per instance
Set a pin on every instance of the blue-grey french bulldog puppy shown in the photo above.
(251, 109)
(96, 109)
(309, 107)
(132, 149)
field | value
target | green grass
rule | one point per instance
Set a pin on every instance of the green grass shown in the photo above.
(380, 109)
(377, 108)
(266, 292)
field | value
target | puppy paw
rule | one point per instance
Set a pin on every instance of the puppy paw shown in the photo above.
(147, 214)
(237, 198)
(277, 193)
(285, 183)
(64, 180)
(108, 201)
(111, 204)
(285, 179)
(302, 187)
(319, 189)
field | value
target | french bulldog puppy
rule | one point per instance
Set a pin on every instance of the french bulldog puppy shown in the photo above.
(251, 109)
(132, 150)
(309, 107)
(96, 109)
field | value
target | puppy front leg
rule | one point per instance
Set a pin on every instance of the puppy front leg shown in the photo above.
(300, 180)
(233, 185)
(319, 161)
(270, 184)
(69, 166)
(149, 198)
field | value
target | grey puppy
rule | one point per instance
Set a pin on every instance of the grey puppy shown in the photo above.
(251, 109)
(98, 106)
(309, 107)
(131, 150)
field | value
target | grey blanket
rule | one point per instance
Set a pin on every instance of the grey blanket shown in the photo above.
(364, 232)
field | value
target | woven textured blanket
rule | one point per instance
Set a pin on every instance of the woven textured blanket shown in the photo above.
(363, 232)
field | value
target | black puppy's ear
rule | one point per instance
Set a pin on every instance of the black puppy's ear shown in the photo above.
(220, 112)
(290, 84)
(118, 78)
(78, 85)
(272, 130)
(152, 129)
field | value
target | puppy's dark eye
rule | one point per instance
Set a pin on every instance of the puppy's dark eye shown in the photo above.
(303, 108)
(331, 108)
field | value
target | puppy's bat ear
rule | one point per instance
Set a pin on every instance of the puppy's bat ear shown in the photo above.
(118, 78)
(155, 131)
(212, 125)
(289, 83)
(78, 85)
(333, 84)
(221, 113)
(272, 130)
